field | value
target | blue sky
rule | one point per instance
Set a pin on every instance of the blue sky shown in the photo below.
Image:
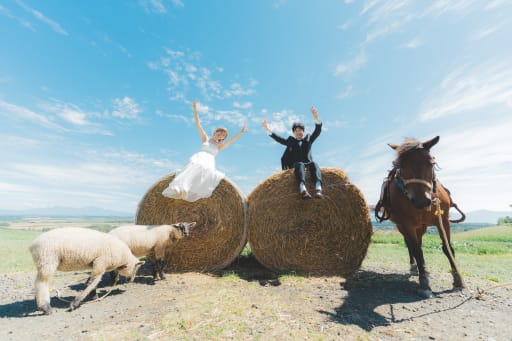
(95, 96)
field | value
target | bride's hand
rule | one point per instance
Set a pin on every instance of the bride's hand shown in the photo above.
(194, 105)
(244, 129)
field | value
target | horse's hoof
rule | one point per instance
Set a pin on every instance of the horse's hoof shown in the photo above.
(425, 293)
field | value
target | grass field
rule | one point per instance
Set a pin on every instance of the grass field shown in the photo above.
(483, 253)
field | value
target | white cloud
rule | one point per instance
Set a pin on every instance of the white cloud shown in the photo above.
(494, 4)
(281, 121)
(476, 164)
(485, 32)
(22, 21)
(244, 105)
(153, 6)
(414, 43)
(348, 92)
(352, 65)
(9, 110)
(126, 108)
(186, 75)
(279, 3)
(41, 17)
(178, 3)
(470, 88)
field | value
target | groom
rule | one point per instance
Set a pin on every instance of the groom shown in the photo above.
(298, 154)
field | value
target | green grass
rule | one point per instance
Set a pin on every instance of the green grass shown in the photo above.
(14, 251)
(484, 253)
(487, 241)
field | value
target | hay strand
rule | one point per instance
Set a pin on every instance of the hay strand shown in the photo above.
(220, 232)
(327, 236)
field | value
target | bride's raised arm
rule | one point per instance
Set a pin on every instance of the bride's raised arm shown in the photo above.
(233, 139)
(200, 129)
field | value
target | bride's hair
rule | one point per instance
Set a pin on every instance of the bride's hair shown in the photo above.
(221, 129)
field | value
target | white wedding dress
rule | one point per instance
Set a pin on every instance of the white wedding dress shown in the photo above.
(199, 178)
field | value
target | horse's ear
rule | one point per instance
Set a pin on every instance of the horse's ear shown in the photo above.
(430, 143)
(393, 146)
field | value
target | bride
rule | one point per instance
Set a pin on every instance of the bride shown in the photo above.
(200, 177)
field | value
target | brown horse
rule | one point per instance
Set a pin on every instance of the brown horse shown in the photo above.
(407, 198)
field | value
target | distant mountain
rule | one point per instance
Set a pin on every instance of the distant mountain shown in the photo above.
(486, 216)
(66, 212)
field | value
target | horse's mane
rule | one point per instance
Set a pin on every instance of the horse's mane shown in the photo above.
(409, 144)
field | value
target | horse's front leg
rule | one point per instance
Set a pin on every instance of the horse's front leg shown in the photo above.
(413, 266)
(414, 247)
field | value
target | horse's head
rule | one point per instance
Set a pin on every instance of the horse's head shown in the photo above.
(414, 167)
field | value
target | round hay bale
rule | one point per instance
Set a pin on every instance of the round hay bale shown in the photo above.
(220, 232)
(327, 236)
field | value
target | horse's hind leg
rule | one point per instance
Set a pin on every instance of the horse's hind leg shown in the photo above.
(450, 254)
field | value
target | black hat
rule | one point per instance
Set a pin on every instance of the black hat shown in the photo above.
(297, 125)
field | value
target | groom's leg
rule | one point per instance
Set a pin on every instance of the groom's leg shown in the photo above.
(300, 174)
(314, 169)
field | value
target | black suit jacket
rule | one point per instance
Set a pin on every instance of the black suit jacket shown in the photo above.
(296, 152)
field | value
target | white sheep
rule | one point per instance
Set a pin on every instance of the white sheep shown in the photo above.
(152, 241)
(75, 249)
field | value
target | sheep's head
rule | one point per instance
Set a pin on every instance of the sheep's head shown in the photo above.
(183, 229)
(130, 269)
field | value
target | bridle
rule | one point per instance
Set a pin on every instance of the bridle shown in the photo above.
(402, 183)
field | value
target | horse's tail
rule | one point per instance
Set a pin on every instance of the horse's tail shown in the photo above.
(454, 205)
(463, 216)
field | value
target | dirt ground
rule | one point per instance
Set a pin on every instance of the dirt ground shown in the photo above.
(248, 302)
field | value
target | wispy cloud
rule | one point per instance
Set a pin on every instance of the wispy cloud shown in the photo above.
(485, 32)
(13, 111)
(348, 92)
(470, 88)
(153, 6)
(80, 120)
(495, 4)
(279, 3)
(476, 164)
(352, 65)
(187, 77)
(414, 43)
(22, 21)
(281, 121)
(158, 6)
(126, 108)
(244, 105)
(55, 26)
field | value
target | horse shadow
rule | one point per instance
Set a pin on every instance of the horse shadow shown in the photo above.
(368, 290)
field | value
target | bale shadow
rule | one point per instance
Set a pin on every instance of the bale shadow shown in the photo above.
(249, 269)
(368, 290)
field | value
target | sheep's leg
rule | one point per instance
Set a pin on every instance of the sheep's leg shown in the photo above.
(94, 294)
(161, 263)
(95, 280)
(43, 293)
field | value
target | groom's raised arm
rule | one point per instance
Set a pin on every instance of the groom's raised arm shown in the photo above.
(276, 137)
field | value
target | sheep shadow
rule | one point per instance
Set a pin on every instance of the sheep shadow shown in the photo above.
(368, 290)
(28, 307)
